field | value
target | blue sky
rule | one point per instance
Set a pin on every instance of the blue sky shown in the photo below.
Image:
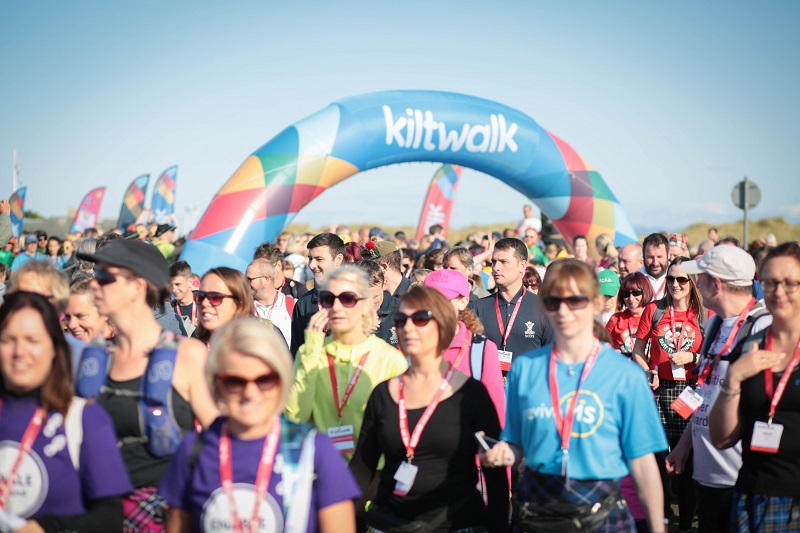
(672, 102)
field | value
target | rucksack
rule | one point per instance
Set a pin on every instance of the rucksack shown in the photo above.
(661, 309)
(477, 353)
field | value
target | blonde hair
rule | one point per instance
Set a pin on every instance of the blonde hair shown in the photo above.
(250, 336)
(49, 276)
(356, 276)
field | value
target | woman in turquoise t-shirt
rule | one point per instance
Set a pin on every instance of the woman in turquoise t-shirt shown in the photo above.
(576, 454)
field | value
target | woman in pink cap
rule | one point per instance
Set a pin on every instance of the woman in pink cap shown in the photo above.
(480, 359)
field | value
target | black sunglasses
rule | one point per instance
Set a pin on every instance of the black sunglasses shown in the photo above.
(578, 301)
(214, 298)
(236, 384)
(682, 280)
(632, 292)
(104, 277)
(349, 299)
(418, 318)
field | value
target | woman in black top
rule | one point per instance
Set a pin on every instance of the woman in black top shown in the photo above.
(749, 409)
(423, 423)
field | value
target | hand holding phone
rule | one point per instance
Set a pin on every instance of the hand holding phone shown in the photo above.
(486, 443)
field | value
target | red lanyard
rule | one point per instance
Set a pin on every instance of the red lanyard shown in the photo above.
(564, 425)
(271, 307)
(262, 477)
(677, 345)
(31, 432)
(410, 442)
(731, 338)
(511, 320)
(350, 386)
(658, 290)
(776, 396)
(194, 311)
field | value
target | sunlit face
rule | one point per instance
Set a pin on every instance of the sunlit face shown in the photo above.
(259, 282)
(630, 260)
(569, 323)
(68, 247)
(82, 318)
(676, 251)
(213, 317)
(115, 297)
(343, 320)
(655, 260)
(418, 341)
(377, 294)
(26, 351)
(782, 304)
(181, 290)
(678, 291)
(609, 304)
(251, 407)
(321, 262)
(506, 268)
(52, 247)
(453, 263)
(581, 248)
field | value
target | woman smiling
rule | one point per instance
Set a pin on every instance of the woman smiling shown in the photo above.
(634, 294)
(224, 294)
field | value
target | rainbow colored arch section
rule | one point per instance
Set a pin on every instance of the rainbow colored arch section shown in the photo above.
(378, 129)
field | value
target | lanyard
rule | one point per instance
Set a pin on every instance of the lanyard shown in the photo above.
(659, 289)
(410, 442)
(677, 345)
(194, 311)
(564, 425)
(262, 477)
(511, 320)
(776, 396)
(31, 432)
(272, 306)
(350, 386)
(732, 337)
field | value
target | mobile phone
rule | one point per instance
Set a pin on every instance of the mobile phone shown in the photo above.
(487, 443)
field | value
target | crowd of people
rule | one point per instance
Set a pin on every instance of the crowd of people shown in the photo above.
(352, 381)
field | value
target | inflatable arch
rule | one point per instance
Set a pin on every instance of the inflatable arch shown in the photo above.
(378, 129)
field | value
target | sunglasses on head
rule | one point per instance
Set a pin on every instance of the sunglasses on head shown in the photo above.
(348, 299)
(214, 298)
(104, 277)
(236, 384)
(682, 280)
(418, 318)
(632, 292)
(553, 303)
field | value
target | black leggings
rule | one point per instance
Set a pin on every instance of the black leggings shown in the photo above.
(682, 486)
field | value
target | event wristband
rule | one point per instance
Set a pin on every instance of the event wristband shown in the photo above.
(730, 392)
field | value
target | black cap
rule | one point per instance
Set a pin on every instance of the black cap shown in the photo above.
(41, 233)
(141, 258)
(163, 228)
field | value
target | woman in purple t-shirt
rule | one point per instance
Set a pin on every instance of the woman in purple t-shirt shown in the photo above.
(253, 471)
(51, 477)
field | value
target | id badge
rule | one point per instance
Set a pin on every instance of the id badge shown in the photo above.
(678, 372)
(505, 360)
(405, 477)
(766, 437)
(343, 438)
(688, 402)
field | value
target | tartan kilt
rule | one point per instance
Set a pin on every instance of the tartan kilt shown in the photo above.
(544, 488)
(144, 511)
(667, 392)
(765, 514)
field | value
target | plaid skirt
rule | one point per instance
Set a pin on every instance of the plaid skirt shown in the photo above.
(765, 514)
(673, 423)
(543, 488)
(144, 511)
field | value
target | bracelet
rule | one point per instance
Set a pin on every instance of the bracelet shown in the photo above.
(730, 392)
(694, 358)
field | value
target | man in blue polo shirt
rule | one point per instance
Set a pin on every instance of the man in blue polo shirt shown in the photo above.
(513, 317)
(31, 247)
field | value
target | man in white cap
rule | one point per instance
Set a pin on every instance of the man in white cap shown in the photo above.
(725, 280)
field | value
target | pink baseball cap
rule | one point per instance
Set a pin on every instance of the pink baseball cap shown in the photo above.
(450, 283)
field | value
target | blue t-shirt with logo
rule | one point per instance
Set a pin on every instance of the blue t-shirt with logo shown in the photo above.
(616, 419)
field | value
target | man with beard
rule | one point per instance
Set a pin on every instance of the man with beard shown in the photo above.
(655, 262)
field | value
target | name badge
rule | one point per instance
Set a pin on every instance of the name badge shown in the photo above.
(405, 477)
(343, 438)
(766, 437)
(505, 360)
(678, 372)
(687, 402)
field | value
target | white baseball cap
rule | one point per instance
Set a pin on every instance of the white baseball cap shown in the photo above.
(728, 263)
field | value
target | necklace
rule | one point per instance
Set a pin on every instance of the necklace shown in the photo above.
(570, 370)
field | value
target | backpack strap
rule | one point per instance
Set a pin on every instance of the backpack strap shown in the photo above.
(73, 429)
(194, 454)
(658, 314)
(160, 427)
(300, 506)
(476, 356)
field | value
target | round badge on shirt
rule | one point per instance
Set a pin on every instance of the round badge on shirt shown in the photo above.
(30, 488)
(217, 515)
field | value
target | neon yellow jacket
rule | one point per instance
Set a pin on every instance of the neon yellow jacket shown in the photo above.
(311, 397)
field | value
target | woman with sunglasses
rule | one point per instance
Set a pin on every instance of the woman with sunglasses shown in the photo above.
(245, 457)
(130, 279)
(672, 325)
(224, 294)
(61, 469)
(335, 374)
(759, 405)
(635, 292)
(576, 453)
(424, 423)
